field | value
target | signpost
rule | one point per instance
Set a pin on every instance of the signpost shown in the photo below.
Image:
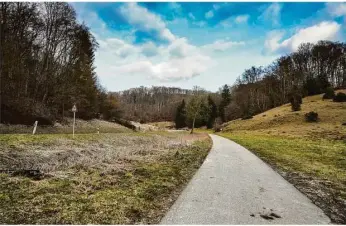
(74, 109)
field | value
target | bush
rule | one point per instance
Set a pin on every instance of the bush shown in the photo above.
(311, 116)
(340, 97)
(295, 106)
(217, 128)
(330, 94)
(295, 100)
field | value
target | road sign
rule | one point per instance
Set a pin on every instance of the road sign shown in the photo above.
(74, 108)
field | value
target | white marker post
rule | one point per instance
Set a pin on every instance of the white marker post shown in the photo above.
(35, 126)
(74, 109)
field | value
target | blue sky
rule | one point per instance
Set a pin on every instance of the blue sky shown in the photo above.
(206, 44)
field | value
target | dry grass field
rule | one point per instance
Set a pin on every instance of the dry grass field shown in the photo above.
(312, 156)
(163, 125)
(111, 178)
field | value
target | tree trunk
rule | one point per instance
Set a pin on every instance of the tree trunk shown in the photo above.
(63, 110)
(193, 124)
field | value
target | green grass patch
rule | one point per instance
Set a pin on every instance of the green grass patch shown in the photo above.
(323, 159)
(199, 130)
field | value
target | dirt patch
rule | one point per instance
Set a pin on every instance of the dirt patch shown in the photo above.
(322, 194)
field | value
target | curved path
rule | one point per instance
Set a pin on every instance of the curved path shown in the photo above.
(233, 186)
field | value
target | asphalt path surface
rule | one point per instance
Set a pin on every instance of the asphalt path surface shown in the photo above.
(234, 186)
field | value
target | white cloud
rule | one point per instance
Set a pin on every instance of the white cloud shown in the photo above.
(336, 9)
(272, 44)
(221, 45)
(216, 6)
(272, 13)
(191, 16)
(200, 23)
(144, 20)
(118, 47)
(180, 48)
(227, 22)
(177, 61)
(175, 6)
(242, 19)
(326, 30)
(149, 49)
(209, 14)
(171, 70)
(232, 20)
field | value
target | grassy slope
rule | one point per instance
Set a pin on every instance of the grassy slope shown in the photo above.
(310, 155)
(81, 126)
(96, 179)
(282, 121)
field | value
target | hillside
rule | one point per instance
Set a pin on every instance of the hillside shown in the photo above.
(283, 121)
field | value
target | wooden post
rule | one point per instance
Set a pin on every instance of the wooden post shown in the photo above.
(74, 109)
(74, 121)
(35, 126)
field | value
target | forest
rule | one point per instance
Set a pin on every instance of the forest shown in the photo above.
(47, 65)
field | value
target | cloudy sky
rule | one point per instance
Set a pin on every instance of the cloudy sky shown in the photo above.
(206, 44)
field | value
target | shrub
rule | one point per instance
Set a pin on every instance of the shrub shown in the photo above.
(311, 116)
(296, 101)
(340, 97)
(217, 128)
(329, 94)
(295, 105)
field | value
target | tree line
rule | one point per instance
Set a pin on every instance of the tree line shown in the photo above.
(47, 65)
(202, 109)
(151, 104)
(311, 70)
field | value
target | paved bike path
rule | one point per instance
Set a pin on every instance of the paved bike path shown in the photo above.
(234, 186)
